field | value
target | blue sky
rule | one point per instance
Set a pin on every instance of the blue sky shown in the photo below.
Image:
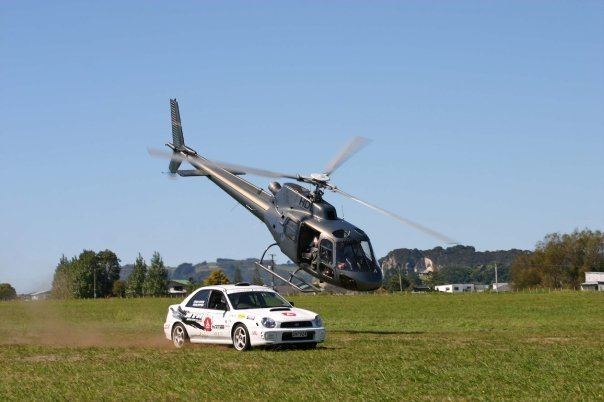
(487, 120)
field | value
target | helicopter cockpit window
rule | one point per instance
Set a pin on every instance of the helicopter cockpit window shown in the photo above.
(326, 251)
(355, 256)
(367, 250)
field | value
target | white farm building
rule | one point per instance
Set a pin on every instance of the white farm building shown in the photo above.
(455, 288)
(593, 281)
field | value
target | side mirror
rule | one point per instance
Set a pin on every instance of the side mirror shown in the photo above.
(292, 303)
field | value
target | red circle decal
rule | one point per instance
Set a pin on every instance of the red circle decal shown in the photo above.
(207, 324)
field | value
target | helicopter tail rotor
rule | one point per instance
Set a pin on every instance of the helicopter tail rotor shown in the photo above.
(178, 139)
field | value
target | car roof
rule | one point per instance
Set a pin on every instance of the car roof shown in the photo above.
(238, 288)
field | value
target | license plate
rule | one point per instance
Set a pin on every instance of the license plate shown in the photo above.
(299, 334)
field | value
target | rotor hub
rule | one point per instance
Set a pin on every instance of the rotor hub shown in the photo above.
(321, 177)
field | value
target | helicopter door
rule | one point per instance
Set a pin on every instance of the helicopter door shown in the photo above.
(289, 240)
(305, 243)
(326, 257)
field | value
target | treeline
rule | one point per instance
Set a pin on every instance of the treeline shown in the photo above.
(560, 261)
(146, 280)
(93, 274)
(87, 275)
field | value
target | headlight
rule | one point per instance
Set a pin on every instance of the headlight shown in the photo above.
(318, 321)
(268, 322)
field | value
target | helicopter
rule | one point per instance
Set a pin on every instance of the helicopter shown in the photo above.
(303, 224)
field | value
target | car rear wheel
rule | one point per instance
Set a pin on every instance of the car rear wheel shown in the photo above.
(241, 338)
(179, 336)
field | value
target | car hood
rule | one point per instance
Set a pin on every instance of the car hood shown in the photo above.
(277, 314)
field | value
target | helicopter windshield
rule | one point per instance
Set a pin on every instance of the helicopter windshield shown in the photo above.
(355, 256)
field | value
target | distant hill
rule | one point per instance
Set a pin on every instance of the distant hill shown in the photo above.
(453, 264)
(458, 264)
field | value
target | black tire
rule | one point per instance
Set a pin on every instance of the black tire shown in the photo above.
(180, 337)
(241, 338)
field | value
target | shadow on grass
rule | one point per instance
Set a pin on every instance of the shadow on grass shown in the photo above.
(290, 347)
(375, 332)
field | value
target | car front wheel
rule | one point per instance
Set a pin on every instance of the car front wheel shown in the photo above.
(179, 336)
(241, 338)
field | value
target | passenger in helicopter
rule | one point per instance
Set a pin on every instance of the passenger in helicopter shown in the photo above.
(312, 253)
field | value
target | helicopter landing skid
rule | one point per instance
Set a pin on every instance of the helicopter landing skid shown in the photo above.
(294, 280)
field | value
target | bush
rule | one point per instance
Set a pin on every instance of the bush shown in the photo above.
(7, 292)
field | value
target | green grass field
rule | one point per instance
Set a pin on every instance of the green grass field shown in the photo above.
(404, 346)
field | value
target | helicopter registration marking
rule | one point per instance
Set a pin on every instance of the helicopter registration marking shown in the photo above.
(304, 203)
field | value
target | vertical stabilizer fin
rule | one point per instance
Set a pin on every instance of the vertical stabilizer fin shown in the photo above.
(177, 138)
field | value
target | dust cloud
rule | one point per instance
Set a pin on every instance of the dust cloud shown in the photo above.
(45, 323)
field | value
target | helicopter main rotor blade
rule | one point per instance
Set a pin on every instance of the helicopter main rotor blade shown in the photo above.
(353, 146)
(224, 165)
(406, 221)
(254, 171)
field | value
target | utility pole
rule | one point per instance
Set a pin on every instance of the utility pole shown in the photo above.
(273, 269)
(94, 281)
(400, 279)
(496, 282)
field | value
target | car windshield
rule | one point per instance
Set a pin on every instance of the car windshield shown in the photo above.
(355, 256)
(248, 300)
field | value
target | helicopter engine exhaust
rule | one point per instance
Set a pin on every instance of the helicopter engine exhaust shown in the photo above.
(274, 187)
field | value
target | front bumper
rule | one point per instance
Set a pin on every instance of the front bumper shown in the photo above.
(276, 336)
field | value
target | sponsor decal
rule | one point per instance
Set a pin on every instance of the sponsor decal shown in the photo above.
(289, 314)
(240, 315)
(217, 326)
(199, 303)
(207, 324)
(251, 317)
(187, 318)
(254, 332)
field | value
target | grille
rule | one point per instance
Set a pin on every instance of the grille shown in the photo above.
(287, 336)
(296, 324)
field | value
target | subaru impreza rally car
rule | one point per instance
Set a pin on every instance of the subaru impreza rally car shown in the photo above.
(243, 315)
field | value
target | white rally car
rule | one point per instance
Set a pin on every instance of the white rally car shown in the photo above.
(243, 315)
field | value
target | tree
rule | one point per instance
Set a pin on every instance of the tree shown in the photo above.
(7, 292)
(62, 280)
(560, 260)
(90, 274)
(109, 262)
(134, 285)
(395, 279)
(88, 278)
(156, 282)
(217, 277)
(257, 278)
(237, 275)
(119, 288)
